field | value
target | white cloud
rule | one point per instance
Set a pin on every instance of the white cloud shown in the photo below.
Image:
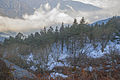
(48, 17)
(109, 8)
(47, 6)
(36, 21)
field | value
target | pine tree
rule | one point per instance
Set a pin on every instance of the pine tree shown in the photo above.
(50, 30)
(75, 21)
(62, 35)
(62, 28)
(37, 35)
(45, 31)
(82, 21)
(50, 35)
(56, 34)
(19, 36)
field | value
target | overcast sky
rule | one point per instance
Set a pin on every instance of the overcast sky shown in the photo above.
(111, 7)
(41, 18)
(102, 3)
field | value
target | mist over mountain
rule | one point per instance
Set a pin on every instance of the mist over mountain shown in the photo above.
(59, 39)
(32, 15)
(64, 4)
(17, 8)
(14, 8)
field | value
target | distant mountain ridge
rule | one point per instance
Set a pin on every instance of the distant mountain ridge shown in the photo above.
(63, 4)
(17, 8)
(14, 8)
(100, 22)
(4, 35)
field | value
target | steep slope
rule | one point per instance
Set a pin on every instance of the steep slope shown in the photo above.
(64, 4)
(5, 73)
(18, 72)
(17, 8)
(14, 8)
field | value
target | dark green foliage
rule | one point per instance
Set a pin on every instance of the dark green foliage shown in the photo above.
(82, 21)
(74, 38)
(75, 21)
(81, 32)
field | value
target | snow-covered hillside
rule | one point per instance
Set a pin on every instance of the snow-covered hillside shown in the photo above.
(55, 58)
(10, 8)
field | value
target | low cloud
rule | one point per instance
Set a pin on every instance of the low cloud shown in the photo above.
(44, 16)
(38, 20)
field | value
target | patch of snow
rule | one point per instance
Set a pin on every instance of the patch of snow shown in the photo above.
(54, 75)
(54, 64)
(90, 68)
(57, 60)
(63, 56)
(95, 53)
(34, 68)
(30, 57)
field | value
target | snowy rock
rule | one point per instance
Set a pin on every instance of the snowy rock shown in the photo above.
(19, 72)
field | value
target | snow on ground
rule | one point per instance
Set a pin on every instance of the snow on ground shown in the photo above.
(90, 68)
(54, 64)
(60, 61)
(54, 75)
(56, 58)
(63, 56)
(30, 57)
(34, 68)
(95, 53)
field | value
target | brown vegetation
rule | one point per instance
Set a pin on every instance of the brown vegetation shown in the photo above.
(5, 73)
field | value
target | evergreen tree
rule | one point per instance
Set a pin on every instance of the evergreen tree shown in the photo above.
(62, 28)
(62, 35)
(19, 36)
(37, 35)
(50, 30)
(50, 35)
(45, 31)
(56, 33)
(82, 21)
(75, 21)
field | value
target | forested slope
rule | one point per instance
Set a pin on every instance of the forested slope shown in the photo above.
(82, 49)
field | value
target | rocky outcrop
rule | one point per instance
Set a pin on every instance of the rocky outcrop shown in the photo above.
(20, 73)
(5, 73)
